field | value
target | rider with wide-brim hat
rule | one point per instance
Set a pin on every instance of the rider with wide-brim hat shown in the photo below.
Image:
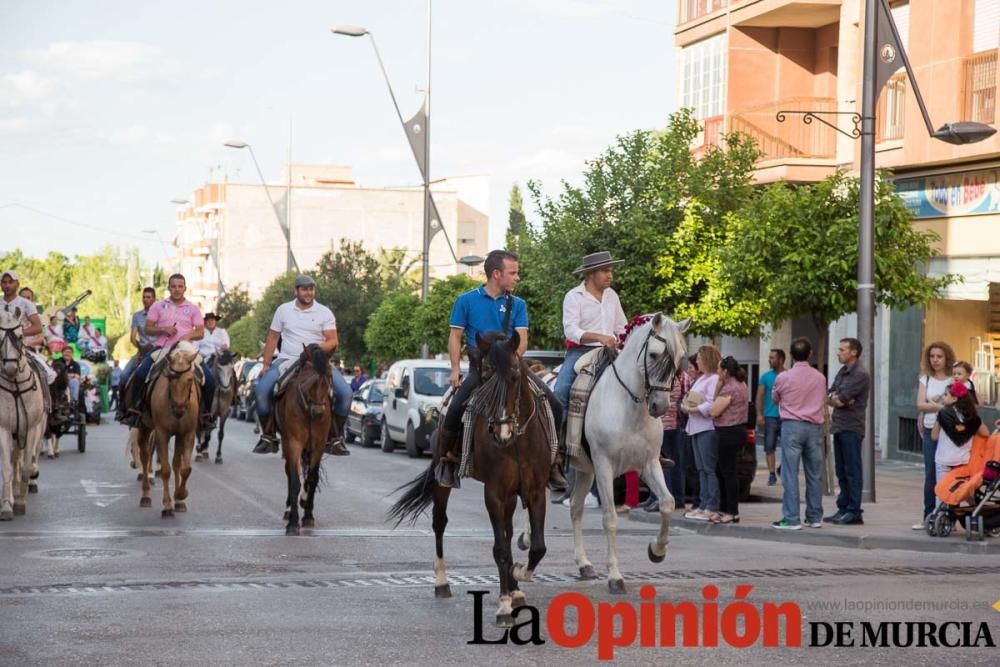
(31, 324)
(491, 307)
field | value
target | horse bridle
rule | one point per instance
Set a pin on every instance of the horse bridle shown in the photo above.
(313, 409)
(172, 375)
(514, 422)
(9, 334)
(648, 387)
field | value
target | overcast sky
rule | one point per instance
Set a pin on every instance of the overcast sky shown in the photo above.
(109, 109)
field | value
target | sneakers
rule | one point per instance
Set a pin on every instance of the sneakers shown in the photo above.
(784, 525)
(699, 515)
(835, 517)
(772, 479)
(919, 526)
(557, 482)
(814, 524)
(622, 509)
(589, 503)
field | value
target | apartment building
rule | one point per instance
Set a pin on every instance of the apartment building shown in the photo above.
(742, 62)
(228, 235)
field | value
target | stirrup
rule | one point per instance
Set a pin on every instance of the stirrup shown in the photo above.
(556, 480)
(336, 448)
(446, 475)
(267, 444)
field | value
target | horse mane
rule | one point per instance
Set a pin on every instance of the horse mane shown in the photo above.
(664, 364)
(491, 395)
(185, 347)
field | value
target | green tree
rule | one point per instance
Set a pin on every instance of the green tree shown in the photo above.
(233, 306)
(433, 317)
(794, 250)
(391, 332)
(633, 199)
(517, 223)
(244, 337)
(397, 271)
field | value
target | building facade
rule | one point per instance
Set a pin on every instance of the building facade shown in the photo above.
(229, 234)
(741, 62)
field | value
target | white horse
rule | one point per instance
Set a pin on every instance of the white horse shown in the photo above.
(623, 429)
(22, 416)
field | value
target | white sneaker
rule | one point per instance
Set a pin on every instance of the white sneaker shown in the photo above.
(591, 502)
(566, 502)
(693, 514)
(700, 515)
(814, 524)
(918, 526)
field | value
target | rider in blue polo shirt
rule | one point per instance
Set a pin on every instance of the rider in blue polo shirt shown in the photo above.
(489, 307)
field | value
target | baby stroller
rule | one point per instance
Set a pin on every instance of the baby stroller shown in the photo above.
(970, 494)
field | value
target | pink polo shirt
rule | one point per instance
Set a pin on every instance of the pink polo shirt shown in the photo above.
(800, 393)
(185, 316)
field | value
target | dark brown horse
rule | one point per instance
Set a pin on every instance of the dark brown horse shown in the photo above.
(303, 414)
(511, 456)
(225, 390)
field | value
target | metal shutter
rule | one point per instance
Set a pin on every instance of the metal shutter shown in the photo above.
(901, 17)
(986, 25)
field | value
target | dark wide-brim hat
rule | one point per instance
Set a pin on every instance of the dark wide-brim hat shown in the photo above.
(598, 260)
(211, 316)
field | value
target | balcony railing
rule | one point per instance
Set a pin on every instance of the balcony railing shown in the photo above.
(891, 107)
(981, 87)
(791, 138)
(695, 9)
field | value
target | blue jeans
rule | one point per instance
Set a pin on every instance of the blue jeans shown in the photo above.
(850, 477)
(801, 441)
(564, 381)
(673, 449)
(930, 471)
(772, 434)
(207, 391)
(705, 446)
(265, 390)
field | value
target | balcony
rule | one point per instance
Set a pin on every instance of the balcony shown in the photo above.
(784, 13)
(980, 74)
(711, 135)
(691, 10)
(793, 138)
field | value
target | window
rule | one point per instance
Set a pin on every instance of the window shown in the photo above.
(986, 25)
(703, 87)
(901, 17)
(892, 108)
(466, 232)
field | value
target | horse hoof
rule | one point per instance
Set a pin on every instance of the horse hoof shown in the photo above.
(56, 455)
(442, 591)
(167, 514)
(32, 488)
(505, 620)
(616, 586)
(7, 515)
(587, 572)
(288, 514)
(130, 463)
(218, 460)
(180, 507)
(518, 601)
(523, 543)
(138, 477)
(145, 502)
(653, 557)
(292, 530)
(20, 509)
(308, 523)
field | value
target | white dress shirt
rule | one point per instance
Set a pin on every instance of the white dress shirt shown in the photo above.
(582, 312)
(213, 342)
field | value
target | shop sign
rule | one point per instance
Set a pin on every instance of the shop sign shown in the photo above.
(950, 195)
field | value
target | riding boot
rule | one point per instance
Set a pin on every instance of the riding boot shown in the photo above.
(335, 440)
(449, 446)
(557, 482)
(268, 443)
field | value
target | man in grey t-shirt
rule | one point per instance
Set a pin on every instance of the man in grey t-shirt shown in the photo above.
(849, 397)
(141, 340)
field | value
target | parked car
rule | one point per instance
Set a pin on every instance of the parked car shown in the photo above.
(414, 389)
(550, 358)
(246, 400)
(746, 465)
(364, 422)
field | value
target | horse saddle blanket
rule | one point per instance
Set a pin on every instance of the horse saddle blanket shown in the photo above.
(285, 374)
(543, 411)
(579, 397)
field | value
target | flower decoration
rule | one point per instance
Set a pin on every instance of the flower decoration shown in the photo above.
(636, 321)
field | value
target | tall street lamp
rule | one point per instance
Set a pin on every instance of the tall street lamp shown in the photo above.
(883, 56)
(284, 221)
(418, 132)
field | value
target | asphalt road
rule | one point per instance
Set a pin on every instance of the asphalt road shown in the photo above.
(87, 577)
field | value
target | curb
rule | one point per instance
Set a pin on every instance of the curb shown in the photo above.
(827, 538)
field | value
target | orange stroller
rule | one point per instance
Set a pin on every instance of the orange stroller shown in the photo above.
(970, 494)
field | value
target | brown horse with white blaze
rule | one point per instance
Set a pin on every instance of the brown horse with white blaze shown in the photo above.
(511, 456)
(303, 413)
(172, 413)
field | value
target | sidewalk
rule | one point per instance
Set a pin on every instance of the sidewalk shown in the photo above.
(899, 491)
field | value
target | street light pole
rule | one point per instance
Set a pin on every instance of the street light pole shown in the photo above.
(425, 279)
(290, 263)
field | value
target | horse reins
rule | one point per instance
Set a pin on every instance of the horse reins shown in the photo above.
(9, 335)
(649, 387)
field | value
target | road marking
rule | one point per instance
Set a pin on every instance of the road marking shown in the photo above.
(93, 491)
(996, 605)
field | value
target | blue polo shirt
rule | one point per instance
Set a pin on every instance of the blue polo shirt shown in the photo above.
(477, 312)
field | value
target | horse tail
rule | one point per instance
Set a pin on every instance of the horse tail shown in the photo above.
(419, 494)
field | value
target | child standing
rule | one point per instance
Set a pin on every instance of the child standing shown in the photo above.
(957, 423)
(962, 372)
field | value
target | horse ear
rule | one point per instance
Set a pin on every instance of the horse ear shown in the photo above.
(515, 341)
(684, 325)
(657, 320)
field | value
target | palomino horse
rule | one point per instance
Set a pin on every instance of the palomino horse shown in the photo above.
(172, 412)
(303, 414)
(22, 416)
(511, 456)
(225, 390)
(623, 430)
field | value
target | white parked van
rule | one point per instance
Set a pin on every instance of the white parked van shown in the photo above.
(413, 387)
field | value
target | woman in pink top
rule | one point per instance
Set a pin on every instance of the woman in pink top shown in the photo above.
(704, 440)
(729, 414)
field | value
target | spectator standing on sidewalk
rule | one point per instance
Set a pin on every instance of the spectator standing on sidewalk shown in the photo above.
(672, 447)
(767, 411)
(729, 415)
(849, 398)
(800, 393)
(704, 440)
(939, 359)
(116, 380)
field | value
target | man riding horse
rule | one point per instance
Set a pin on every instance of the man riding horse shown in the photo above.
(31, 325)
(488, 308)
(299, 323)
(171, 320)
(215, 340)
